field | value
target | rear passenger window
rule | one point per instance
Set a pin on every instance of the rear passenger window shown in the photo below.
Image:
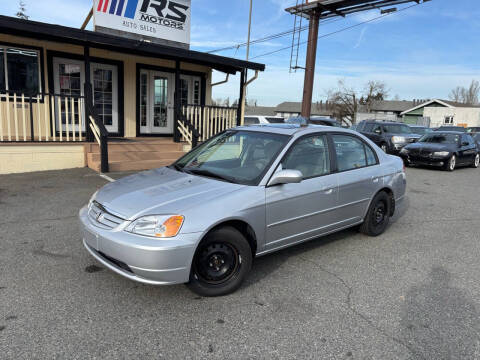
(250, 121)
(351, 152)
(310, 156)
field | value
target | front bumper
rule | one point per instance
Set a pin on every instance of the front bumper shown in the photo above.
(149, 261)
(425, 160)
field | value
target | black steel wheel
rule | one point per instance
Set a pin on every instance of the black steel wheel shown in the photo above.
(221, 263)
(378, 215)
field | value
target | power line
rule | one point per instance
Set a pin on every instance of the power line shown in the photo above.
(267, 38)
(337, 31)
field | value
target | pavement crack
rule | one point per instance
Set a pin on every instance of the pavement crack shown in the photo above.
(352, 308)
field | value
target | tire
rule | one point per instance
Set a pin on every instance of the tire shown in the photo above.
(451, 163)
(378, 215)
(476, 162)
(384, 147)
(221, 263)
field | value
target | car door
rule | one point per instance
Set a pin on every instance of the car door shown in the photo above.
(359, 176)
(302, 211)
(468, 149)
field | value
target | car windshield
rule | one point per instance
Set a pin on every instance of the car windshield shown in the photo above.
(440, 138)
(420, 130)
(236, 156)
(397, 129)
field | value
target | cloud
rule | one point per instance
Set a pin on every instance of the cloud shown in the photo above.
(360, 38)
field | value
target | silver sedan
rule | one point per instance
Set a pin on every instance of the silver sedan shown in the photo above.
(246, 192)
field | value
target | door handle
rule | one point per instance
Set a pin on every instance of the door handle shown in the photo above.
(328, 189)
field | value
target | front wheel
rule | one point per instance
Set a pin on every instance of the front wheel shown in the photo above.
(476, 161)
(378, 215)
(451, 163)
(222, 261)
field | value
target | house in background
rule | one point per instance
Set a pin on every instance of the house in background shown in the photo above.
(71, 98)
(389, 110)
(443, 112)
(260, 110)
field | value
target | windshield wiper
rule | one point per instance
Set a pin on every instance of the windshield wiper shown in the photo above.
(211, 174)
(177, 167)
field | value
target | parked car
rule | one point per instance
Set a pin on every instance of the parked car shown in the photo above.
(473, 130)
(391, 137)
(260, 119)
(325, 121)
(443, 149)
(451, 128)
(246, 192)
(420, 130)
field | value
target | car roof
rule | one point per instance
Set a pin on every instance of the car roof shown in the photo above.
(418, 126)
(291, 129)
(384, 122)
(447, 132)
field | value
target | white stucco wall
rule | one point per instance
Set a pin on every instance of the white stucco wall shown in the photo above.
(461, 116)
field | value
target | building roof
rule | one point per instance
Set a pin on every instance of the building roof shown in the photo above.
(391, 105)
(445, 103)
(260, 110)
(318, 109)
(44, 31)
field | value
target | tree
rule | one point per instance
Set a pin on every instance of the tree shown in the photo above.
(22, 11)
(469, 96)
(345, 100)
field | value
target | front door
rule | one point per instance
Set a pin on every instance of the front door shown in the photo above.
(156, 102)
(105, 94)
(298, 212)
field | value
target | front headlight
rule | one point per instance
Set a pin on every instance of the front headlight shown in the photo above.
(441, 153)
(398, 139)
(157, 226)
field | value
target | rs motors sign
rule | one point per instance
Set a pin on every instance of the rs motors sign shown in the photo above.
(163, 19)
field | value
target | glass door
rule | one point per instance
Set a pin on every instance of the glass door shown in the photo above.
(190, 90)
(105, 94)
(156, 102)
(69, 77)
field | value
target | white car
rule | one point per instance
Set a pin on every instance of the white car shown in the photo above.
(260, 119)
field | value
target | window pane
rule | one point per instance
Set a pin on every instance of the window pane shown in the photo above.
(22, 67)
(371, 158)
(309, 156)
(350, 152)
(250, 121)
(2, 71)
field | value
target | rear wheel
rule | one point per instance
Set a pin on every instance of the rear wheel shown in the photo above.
(222, 261)
(476, 161)
(378, 215)
(451, 163)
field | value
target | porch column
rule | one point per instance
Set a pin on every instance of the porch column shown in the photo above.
(240, 100)
(87, 92)
(176, 101)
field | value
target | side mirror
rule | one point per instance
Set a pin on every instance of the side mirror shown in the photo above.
(286, 177)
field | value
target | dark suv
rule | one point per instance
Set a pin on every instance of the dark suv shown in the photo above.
(390, 136)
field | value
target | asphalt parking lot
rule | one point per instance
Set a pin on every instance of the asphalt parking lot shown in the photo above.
(412, 293)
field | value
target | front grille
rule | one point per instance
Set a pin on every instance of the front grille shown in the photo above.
(102, 217)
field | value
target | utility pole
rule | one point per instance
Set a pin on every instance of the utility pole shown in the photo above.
(316, 10)
(242, 112)
(310, 63)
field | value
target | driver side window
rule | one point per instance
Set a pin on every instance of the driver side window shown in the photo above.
(310, 156)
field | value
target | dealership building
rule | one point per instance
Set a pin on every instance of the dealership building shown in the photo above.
(127, 96)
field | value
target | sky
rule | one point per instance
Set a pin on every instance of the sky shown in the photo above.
(422, 52)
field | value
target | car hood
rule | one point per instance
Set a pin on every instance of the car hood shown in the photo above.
(431, 147)
(409, 136)
(159, 191)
